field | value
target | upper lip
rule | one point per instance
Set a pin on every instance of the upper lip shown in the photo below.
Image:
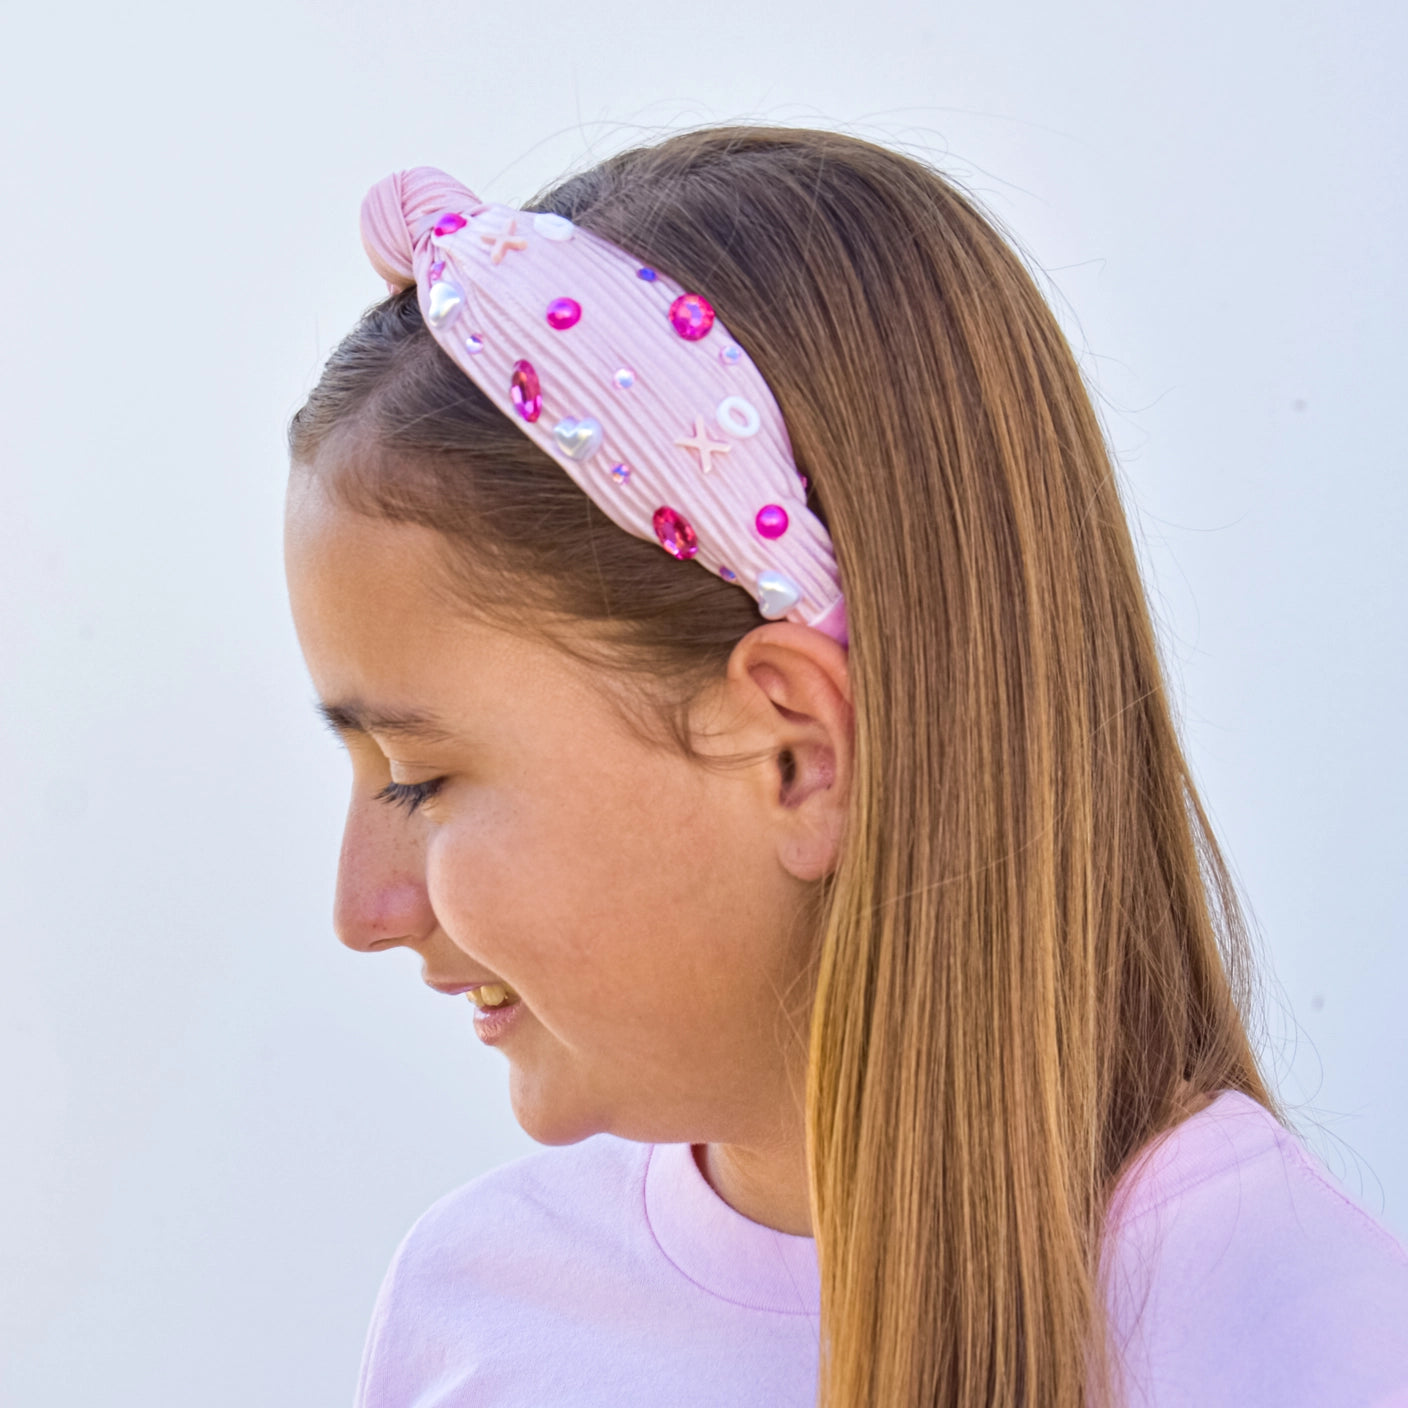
(455, 989)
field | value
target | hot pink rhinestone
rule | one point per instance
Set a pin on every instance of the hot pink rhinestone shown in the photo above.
(771, 521)
(675, 534)
(447, 224)
(563, 313)
(525, 390)
(691, 316)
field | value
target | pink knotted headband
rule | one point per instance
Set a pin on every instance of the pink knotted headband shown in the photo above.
(629, 381)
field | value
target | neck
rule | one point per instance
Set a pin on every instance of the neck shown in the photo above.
(766, 1184)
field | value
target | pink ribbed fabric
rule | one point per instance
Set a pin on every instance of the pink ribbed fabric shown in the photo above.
(484, 290)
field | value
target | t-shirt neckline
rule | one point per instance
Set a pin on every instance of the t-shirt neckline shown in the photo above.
(719, 1249)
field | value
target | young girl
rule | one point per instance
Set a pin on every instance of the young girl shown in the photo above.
(718, 577)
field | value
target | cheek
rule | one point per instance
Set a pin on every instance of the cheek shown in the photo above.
(605, 902)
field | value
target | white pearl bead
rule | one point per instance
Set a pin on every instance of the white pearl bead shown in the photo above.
(557, 228)
(777, 594)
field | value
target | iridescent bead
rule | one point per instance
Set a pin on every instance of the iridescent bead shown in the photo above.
(730, 354)
(446, 300)
(675, 534)
(525, 390)
(578, 439)
(625, 378)
(447, 223)
(564, 313)
(771, 521)
(437, 270)
(474, 344)
(649, 275)
(777, 594)
(553, 227)
(691, 316)
(728, 574)
(620, 472)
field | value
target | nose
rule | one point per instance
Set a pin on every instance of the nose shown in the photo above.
(381, 900)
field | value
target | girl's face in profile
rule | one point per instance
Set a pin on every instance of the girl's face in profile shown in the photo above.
(506, 826)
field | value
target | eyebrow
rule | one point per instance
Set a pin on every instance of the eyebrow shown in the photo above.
(409, 726)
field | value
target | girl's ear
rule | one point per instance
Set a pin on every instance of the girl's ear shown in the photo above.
(800, 684)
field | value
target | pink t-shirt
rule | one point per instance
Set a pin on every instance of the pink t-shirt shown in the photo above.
(610, 1273)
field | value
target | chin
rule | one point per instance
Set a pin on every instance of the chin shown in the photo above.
(547, 1116)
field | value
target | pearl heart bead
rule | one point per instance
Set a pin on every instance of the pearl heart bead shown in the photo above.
(777, 594)
(446, 300)
(578, 439)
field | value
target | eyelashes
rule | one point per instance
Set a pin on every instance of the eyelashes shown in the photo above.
(410, 795)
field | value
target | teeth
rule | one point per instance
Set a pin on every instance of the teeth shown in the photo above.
(491, 995)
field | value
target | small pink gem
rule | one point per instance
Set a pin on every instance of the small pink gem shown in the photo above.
(620, 472)
(447, 224)
(771, 521)
(563, 313)
(691, 316)
(437, 270)
(728, 574)
(675, 534)
(803, 478)
(525, 390)
(474, 343)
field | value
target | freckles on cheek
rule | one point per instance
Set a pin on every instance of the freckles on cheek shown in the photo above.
(578, 886)
(465, 881)
(492, 882)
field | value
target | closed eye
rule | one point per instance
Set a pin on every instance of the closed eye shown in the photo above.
(410, 794)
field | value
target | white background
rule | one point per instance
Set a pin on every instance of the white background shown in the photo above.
(216, 1122)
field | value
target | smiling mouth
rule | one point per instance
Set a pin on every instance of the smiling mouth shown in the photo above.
(489, 995)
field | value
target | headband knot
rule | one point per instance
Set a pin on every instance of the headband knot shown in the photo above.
(399, 213)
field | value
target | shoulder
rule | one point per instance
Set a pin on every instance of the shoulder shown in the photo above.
(1237, 1266)
(1233, 1170)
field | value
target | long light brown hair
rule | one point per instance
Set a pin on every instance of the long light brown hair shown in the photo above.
(1030, 956)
